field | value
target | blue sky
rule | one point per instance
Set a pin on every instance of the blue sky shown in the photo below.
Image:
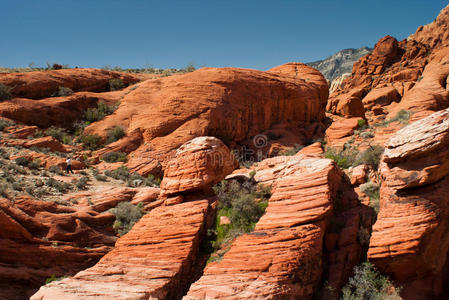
(255, 34)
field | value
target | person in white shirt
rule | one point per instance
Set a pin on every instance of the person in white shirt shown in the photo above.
(69, 165)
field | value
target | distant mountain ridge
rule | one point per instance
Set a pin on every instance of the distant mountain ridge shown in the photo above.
(339, 63)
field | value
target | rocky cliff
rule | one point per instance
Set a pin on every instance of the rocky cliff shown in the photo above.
(339, 63)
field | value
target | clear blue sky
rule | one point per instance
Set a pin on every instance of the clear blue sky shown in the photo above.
(256, 34)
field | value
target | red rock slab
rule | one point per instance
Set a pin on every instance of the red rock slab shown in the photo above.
(410, 239)
(40, 239)
(229, 103)
(42, 84)
(154, 260)
(341, 130)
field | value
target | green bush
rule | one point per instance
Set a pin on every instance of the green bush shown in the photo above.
(63, 92)
(4, 191)
(98, 176)
(98, 113)
(121, 173)
(126, 215)
(5, 92)
(370, 156)
(56, 170)
(5, 123)
(52, 278)
(112, 157)
(372, 190)
(292, 151)
(90, 141)
(114, 134)
(60, 186)
(22, 161)
(81, 184)
(361, 124)
(59, 133)
(237, 202)
(35, 164)
(368, 284)
(116, 84)
(344, 158)
(403, 116)
(135, 180)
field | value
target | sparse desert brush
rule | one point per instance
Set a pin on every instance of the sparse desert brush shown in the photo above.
(63, 92)
(5, 92)
(126, 215)
(112, 157)
(367, 283)
(56, 170)
(90, 141)
(114, 134)
(59, 133)
(116, 84)
(99, 112)
(5, 123)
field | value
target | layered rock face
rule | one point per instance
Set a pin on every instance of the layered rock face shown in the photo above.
(231, 104)
(410, 239)
(43, 84)
(155, 260)
(40, 239)
(197, 166)
(282, 258)
(410, 74)
(340, 63)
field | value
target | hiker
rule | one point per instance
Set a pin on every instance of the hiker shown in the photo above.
(69, 165)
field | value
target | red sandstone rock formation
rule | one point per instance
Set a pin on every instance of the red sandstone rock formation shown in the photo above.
(43, 84)
(410, 239)
(198, 165)
(40, 239)
(155, 260)
(409, 74)
(232, 104)
(283, 257)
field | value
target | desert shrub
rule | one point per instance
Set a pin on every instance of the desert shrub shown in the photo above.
(344, 158)
(126, 215)
(4, 191)
(5, 123)
(59, 133)
(366, 135)
(135, 180)
(35, 164)
(52, 278)
(63, 92)
(5, 92)
(116, 84)
(16, 169)
(56, 170)
(361, 124)
(60, 186)
(368, 284)
(189, 68)
(370, 156)
(111, 157)
(99, 112)
(22, 161)
(90, 141)
(292, 151)
(17, 186)
(81, 184)
(371, 189)
(237, 202)
(121, 173)
(403, 116)
(114, 134)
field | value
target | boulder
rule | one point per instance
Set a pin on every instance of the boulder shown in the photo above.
(232, 104)
(410, 239)
(197, 166)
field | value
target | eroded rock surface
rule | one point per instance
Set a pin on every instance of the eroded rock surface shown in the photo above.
(155, 260)
(410, 239)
